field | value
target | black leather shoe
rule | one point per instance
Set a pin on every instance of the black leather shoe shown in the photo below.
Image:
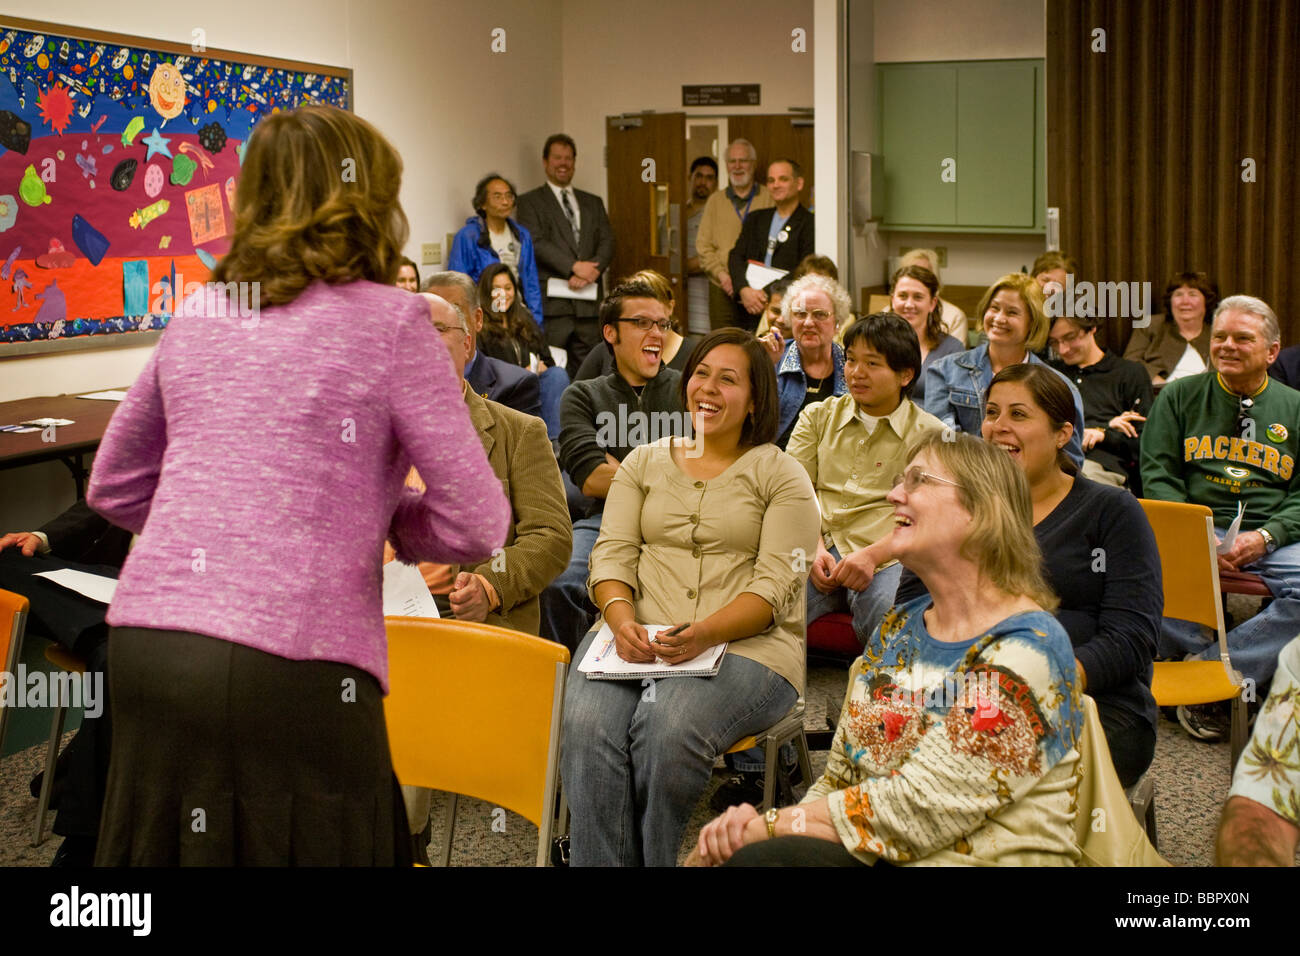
(75, 851)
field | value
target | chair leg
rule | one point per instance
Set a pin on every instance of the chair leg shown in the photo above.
(1150, 823)
(770, 751)
(805, 761)
(448, 826)
(1238, 732)
(47, 782)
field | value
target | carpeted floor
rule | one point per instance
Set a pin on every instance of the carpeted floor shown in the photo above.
(1191, 781)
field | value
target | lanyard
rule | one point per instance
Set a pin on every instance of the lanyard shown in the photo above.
(752, 193)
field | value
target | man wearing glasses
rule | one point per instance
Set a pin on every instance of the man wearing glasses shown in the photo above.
(720, 224)
(1227, 438)
(601, 421)
(1116, 397)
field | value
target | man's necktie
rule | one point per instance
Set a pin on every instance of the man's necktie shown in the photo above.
(568, 211)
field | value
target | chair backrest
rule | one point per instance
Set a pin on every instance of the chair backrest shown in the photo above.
(13, 621)
(1189, 564)
(1113, 836)
(475, 709)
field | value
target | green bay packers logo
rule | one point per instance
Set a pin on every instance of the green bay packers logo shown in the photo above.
(1277, 433)
(1238, 473)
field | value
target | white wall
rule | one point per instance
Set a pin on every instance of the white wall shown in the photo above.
(626, 57)
(899, 31)
(424, 74)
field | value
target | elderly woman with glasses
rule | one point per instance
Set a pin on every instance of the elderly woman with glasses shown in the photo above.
(811, 367)
(956, 743)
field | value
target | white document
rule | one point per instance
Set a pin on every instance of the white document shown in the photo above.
(759, 276)
(111, 395)
(603, 663)
(559, 289)
(94, 586)
(559, 356)
(405, 593)
(1231, 534)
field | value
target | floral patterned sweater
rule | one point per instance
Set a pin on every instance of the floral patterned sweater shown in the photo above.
(958, 753)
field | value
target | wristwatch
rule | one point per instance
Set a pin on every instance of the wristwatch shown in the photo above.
(1270, 543)
(771, 817)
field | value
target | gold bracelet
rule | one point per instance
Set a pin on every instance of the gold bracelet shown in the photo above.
(613, 600)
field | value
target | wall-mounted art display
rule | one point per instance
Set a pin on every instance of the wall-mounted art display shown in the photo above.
(119, 159)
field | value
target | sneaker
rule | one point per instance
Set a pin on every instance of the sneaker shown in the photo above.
(1208, 722)
(738, 789)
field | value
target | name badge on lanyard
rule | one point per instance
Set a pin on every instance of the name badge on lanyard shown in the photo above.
(781, 236)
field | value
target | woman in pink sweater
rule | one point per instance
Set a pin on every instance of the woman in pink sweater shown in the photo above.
(261, 457)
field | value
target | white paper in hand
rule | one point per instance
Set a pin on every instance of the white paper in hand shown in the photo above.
(1231, 534)
(94, 586)
(405, 593)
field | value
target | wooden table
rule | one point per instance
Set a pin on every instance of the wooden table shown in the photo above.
(71, 442)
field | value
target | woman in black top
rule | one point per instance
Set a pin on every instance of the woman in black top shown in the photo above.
(1099, 556)
(510, 333)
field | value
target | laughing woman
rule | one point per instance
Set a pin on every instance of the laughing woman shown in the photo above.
(956, 744)
(700, 535)
(1016, 326)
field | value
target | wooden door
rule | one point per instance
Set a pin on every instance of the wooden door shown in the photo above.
(646, 186)
(787, 136)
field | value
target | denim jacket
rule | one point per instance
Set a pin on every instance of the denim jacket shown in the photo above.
(792, 384)
(955, 387)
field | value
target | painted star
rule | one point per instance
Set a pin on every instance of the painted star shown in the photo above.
(156, 144)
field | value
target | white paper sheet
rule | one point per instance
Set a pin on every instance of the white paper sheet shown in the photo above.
(559, 356)
(405, 593)
(602, 661)
(759, 276)
(94, 586)
(559, 289)
(110, 395)
(1231, 534)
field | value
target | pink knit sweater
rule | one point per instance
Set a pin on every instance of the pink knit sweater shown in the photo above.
(264, 466)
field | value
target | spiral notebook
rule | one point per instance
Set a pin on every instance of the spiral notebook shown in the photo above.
(602, 662)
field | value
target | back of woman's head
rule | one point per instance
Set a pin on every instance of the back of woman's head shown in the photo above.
(995, 493)
(317, 199)
(1036, 315)
(1050, 393)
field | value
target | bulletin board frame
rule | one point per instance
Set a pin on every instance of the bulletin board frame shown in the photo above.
(69, 106)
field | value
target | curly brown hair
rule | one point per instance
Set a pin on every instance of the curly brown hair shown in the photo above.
(317, 199)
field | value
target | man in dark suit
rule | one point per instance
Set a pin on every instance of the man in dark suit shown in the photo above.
(500, 381)
(779, 237)
(81, 540)
(573, 242)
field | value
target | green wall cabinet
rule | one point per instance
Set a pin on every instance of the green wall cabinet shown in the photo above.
(963, 146)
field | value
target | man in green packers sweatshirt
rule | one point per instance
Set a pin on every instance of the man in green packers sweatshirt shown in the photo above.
(1228, 436)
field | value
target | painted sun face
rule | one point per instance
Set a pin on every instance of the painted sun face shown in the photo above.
(167, 90)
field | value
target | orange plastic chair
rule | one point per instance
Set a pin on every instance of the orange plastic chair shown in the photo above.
(476, 709)
(1190, 569)
(13, 624)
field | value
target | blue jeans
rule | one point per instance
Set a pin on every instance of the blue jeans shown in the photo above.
(552, 384)
(567, 612)
(867, 607)
(634, 768)
(1254, 644)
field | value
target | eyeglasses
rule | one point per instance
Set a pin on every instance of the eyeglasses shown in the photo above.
(817, 315)
(1068, 339)
(645, 325)
(510, 196)
(914, 477)
(444, 329)
(1244, 405)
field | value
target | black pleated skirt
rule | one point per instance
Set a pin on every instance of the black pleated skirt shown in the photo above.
(228, 756)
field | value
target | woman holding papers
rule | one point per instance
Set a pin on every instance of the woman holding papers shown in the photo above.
(956, 744)
(261, 460)
(714, 535)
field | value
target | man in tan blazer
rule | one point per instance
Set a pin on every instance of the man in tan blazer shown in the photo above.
(503, 590)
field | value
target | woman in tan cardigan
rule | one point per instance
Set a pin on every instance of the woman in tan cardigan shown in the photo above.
(714, 535)
(1179, 344)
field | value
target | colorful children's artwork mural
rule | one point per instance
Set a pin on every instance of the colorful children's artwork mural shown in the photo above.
(119, 161)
